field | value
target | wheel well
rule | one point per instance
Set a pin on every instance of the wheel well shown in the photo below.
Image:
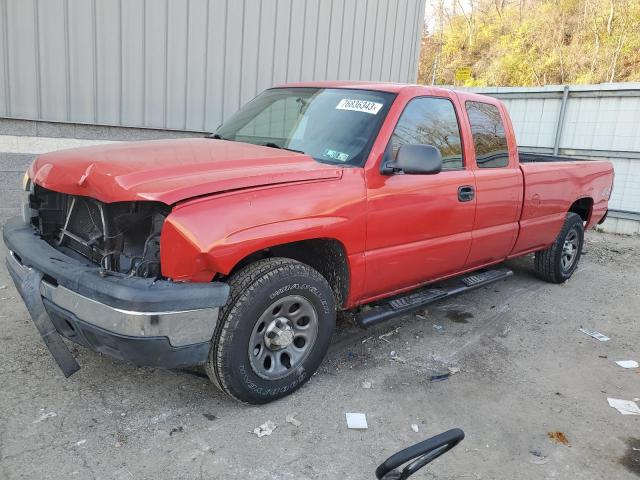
(326, 255)
(583, 207)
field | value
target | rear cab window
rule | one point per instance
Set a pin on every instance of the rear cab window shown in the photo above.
(430, 121)
(489, 138)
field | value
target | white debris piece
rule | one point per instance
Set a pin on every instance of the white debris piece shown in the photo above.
(454, 370)
(2, 287)
(81, 442)
(265, 429)
(594, 334)
(627, 363)
(388, 334)
(291, 418)
(367, 384)
(414, 427)
(399, 359)
(44, 416)
(625, 407)
(356, 421)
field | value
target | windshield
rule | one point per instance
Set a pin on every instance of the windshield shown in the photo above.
(331, 125)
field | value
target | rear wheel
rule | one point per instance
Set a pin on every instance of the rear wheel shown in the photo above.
(557, 263)
(274, 331)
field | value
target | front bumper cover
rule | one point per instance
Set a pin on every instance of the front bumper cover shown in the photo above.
(148, 322)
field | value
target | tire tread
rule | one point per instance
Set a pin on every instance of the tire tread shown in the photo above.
(242, 285)
(545, 261)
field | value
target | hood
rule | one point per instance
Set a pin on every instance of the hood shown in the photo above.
(169, 171)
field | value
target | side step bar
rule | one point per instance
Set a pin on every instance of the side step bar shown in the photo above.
(419, 299)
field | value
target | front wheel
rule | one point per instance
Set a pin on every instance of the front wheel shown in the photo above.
(274, 331)
(557, 263)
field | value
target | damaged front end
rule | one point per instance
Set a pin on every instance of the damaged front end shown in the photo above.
(122, 237)
(92, 274)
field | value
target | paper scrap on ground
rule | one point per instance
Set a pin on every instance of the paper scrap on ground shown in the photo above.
(44, 416)
(367, 384)
(266, 428)
(357, 421)
(627, 363)
(625, 407)
(594, 334)
(414, 427)
(291, 418)
(388, 334)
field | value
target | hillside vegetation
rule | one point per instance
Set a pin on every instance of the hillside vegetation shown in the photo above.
(532, 42)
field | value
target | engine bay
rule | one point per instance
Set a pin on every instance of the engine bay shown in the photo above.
(121, 237)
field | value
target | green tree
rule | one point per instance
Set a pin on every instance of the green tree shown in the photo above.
(533, 42)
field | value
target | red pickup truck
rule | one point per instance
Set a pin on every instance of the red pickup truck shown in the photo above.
(236, 251)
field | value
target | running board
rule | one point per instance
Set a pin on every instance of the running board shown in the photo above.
(417, 300)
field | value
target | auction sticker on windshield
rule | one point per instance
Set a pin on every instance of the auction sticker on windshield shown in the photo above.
(359, 106)
(335, 155)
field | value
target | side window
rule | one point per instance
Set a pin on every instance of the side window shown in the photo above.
(430, 121)
(489, 139)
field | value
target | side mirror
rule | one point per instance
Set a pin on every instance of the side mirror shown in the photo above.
(416, 160)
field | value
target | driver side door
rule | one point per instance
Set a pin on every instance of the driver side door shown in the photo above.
(419, 226)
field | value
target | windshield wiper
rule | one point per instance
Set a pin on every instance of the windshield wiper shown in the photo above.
(216, 137)
(275, 145)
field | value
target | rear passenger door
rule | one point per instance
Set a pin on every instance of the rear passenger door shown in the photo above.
(498, 181)
(419, 226)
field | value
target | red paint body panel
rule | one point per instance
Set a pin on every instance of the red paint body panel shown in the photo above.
(169, 171)
(499, 195)
(211, 235)
(549, 191)
(416, 228)
(398, 231)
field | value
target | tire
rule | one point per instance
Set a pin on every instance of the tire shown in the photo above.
(557, 263)
(257, 323)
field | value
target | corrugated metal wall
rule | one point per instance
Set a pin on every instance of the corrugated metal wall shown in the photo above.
(599, 122)
(187, 64)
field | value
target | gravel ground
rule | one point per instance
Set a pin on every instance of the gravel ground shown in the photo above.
(526, 371)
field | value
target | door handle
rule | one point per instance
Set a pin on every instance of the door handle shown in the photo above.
(466, 193)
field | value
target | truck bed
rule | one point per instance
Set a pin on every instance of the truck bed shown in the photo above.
(545, 157)
(552, 185)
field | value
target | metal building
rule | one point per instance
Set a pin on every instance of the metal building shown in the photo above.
(584, 121)
(187, 64)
